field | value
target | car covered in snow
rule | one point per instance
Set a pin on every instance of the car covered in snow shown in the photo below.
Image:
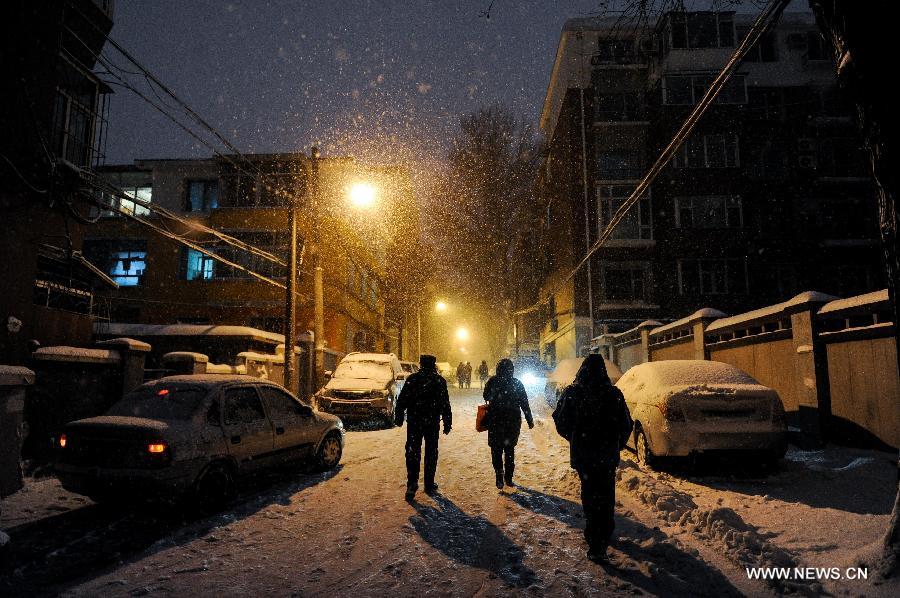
(408, 367)
(193, 435)
(447, 372)
(685, 407)
(363, 386)
(564, 374)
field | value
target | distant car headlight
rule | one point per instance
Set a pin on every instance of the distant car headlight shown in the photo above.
(529, 378)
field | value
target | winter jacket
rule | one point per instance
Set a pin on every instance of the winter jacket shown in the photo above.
(483, 371)
(508, 400)
(595, 421)
(425, 399)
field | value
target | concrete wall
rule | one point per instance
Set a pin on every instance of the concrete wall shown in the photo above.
(680, 349)
(832, 361)
(865, 388)
(772, 363)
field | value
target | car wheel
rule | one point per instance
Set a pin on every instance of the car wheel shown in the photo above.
(214, 488)
(330, 452)
(645, 456)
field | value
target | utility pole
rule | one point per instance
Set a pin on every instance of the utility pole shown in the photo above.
(318, 287)
(419, 331)
(290, 311)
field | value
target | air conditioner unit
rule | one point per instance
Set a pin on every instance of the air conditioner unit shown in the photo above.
(806, 145)
(807, 161)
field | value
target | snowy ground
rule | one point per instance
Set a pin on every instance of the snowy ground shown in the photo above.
(349, 532)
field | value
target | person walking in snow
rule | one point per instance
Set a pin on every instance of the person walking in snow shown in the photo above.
(483, 372)
(461, 374)
(468, 373)
(507, 400)
(425, 402)
(591, 414)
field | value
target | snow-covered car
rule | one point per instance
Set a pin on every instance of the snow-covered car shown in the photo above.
(564, 374)
(193, 435)
(684, 407)
(408, 367)
(363, 386)
(447, 372)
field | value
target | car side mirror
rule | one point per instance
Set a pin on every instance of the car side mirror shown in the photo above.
(327, 375)
(306, 411)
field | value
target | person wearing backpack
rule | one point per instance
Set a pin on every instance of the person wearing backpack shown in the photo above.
(507, 401)
(591, 414)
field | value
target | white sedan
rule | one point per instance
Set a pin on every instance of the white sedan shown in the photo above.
(684, 407)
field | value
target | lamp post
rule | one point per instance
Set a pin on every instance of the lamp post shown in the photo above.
(290, 311)
(318, 286)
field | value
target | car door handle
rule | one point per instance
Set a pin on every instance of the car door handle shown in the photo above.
(235, 440)
(279, 430)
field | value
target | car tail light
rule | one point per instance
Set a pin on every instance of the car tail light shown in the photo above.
(156, 448)
(671, 412)
(62, 441)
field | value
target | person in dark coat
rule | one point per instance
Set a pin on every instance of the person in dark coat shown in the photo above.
(425, 402)
(507, 400)
(483, 372)
(591, 414)
(460, 374)
(468, 373)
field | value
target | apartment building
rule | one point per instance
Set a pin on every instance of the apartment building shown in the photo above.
(52, 123)
(161, 281)
(770, 195)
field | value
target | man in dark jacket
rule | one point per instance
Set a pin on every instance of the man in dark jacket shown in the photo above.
(507, 400)
(591, 414)
(424, 398)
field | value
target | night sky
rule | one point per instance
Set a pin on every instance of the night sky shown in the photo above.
(382, 80)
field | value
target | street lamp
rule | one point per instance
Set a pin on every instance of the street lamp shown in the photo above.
(462, 334)
(440, 306)
(362, 195)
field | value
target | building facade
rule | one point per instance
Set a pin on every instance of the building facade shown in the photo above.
(769, 195)
(52, 123)
(163, 281)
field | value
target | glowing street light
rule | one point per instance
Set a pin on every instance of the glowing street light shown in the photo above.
(362, 195)
(440, 306)
(462, 334)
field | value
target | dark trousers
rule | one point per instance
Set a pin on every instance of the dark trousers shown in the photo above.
(415, 434)
(498, 453)
(598, 498)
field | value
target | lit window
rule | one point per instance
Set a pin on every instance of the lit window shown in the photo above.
(128, 268)
(198, 266)
(202, 196)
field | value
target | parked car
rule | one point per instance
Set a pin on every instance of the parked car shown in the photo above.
(363, 385)
(193, 435)
(564, 374)
(408, 367)
(447, 372)
(684, 407)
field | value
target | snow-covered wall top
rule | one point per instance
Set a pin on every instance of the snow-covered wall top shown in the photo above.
(707, 313)
(771, 312)
(865, 302)
(79, 354)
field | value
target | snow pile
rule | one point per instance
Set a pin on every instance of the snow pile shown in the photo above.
(722, 527)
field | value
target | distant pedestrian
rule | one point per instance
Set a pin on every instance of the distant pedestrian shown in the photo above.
(468, 373)
(591, 414)
(425, 401)
(461, 374)
(507, 400)
(483, 372)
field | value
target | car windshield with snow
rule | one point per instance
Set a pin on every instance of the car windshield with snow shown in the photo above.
(363, 386)
(192, 436)
(685, 407)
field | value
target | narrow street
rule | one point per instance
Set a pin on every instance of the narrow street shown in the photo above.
(350, 532)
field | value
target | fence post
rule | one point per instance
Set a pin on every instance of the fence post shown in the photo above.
(704, 318)
(810, 367)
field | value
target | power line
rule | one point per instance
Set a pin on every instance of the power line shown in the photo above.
(766, 19)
